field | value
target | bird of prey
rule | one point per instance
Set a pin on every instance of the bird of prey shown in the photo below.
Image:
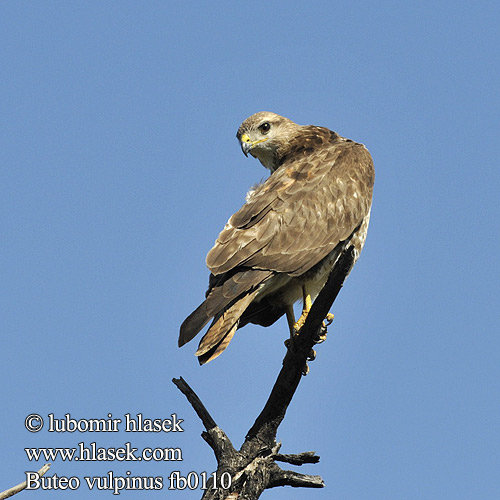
(282, 244)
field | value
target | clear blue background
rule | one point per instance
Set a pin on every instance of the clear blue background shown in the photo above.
(119, 166)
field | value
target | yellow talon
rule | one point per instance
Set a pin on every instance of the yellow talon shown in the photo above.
(321, 337)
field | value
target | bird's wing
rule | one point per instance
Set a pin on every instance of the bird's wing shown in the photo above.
(303, 210)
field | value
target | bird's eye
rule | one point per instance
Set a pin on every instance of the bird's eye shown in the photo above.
(265, 127)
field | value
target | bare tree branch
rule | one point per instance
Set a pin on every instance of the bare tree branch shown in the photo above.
(20, 487)
(289, 377)
(214, 435)
(290, 478)
(196, 403)
(307, 457)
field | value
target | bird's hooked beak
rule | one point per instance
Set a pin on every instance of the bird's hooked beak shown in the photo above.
(247, 144)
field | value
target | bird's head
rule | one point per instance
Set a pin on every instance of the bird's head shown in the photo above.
(264, 135)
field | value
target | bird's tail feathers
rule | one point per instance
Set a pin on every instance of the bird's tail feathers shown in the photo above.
(220, 300)
(218, 348)
(222, 330)
(194, 323)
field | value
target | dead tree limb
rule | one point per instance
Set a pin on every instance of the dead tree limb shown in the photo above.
(253, 468)
(20, 487)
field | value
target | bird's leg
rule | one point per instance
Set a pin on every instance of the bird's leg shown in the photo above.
(295, 326)
(307, 304)
(290, 317)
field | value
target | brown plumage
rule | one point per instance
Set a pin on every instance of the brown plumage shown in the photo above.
(285, 239)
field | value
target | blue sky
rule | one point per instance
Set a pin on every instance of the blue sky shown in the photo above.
(119, 167)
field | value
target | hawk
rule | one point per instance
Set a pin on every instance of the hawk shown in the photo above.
(282, 244)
